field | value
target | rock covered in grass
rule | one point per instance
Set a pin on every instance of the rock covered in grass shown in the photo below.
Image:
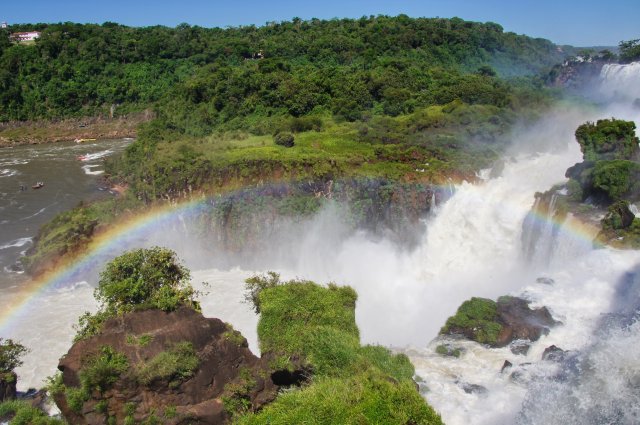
(499, 323)
(177, 367)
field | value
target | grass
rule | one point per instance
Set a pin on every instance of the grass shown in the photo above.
(350, 383)
(291, 311)
(475, 318)
(22, 413)
(368, 398)
(175, 365)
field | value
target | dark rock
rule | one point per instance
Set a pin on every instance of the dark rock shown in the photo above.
(8, 386)
(506, 365)
(227, 368)
(545, 280)
(522, 374)
(554, 354)
(474, 388)
(521, 322)
(37, 398)
(520, 347)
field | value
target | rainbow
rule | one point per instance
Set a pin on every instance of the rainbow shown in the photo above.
(123, 235)
(104, 246)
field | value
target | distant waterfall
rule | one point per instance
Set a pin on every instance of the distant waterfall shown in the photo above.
(621, 81)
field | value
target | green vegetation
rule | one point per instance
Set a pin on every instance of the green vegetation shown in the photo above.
(145, 278)
(142, 340)
(349, 383)
(175, 365)
(610, 169)
(231, 75)
(99, 371)
(608, 139)
(284, 139)
(22, 413)
(10, 355)
(139, 279)
(617, 179)
(103, 369)
(234, 336)
(71, 231)
(236, 399)
(477, 319)
(608, 178)
(366, 398)
(620, 227)
(630, 50)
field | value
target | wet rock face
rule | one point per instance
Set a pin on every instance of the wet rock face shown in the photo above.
(8, 386)
(226, 372)
(519, 322)
(554, 354)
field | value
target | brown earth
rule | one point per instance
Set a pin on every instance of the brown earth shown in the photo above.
(227, 370)
(14, 133)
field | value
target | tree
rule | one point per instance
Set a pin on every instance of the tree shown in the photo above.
(10, 355)
(285, 139)
(629, 50)
(145, 278)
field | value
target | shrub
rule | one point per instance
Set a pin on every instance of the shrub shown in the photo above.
(256, 284)
(103, 369)
(147, 278)
(285, 139)
(10, 353)
(174, 365)
(139, 279)
(301, 124)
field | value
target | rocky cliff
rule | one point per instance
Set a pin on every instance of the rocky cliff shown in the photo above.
(156, 367)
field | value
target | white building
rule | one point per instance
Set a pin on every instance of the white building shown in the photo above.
(4, 25)
(25, 36)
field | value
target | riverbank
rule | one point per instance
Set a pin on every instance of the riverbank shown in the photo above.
(15, 133)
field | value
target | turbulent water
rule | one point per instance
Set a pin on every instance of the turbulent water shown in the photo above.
(621, 81)
(68, 172)
(475, 244)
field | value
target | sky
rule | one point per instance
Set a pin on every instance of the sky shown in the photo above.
(575, 22)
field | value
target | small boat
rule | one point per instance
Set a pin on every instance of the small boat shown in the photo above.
(81, 157)
(38, 185)
(84, 140)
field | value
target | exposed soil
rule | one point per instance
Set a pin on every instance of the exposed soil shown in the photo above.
(15, 133)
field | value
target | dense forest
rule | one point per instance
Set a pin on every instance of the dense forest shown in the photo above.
(390, 65)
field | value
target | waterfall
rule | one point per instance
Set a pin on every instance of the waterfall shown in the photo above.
(621, 82)
(540, 230)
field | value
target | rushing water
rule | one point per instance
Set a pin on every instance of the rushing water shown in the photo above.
(67, 181)
(473, 246)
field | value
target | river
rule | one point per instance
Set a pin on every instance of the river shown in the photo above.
(67, 181)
